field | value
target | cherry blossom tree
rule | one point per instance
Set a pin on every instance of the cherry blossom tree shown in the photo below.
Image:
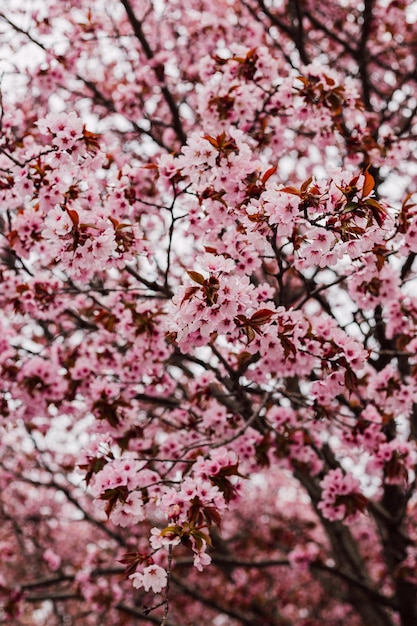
(208, 218)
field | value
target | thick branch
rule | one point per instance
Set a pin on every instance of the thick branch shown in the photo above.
(244, 618)
(362, 54)
(297, 12)
(349, 562)
(169, 99)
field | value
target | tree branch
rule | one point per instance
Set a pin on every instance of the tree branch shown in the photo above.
(159, 71)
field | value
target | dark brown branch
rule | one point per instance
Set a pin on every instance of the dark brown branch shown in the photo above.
(138, 614)
(60, 578)
(268, 563)
(86, 516)
(21, 31)
(349, 562)
(294, 32)
(244, 618)
(274, 19)
(169, 402)
(276, 43)
(297, 12)
(104, 101)
(406, 268)
(334, 36)
(362, 54)
(151, 284)
(159, 72)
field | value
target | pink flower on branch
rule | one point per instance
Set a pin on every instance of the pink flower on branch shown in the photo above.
(341, 498)
(208, 276)
(152, 578)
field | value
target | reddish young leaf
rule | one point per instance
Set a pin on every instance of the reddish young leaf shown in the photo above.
(196, 277)
(263, 316)
(369, 183)
(74, 217)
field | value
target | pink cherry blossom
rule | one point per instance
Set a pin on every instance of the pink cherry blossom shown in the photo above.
(208, 328)
(153, 577)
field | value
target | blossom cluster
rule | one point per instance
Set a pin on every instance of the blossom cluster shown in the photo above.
(208, 306)
(341, 498)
